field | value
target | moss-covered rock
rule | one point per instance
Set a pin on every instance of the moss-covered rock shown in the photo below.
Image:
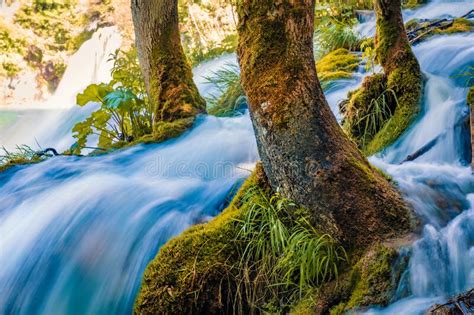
(420, 30)
(190, 273)
(338, 64)
(370, 280)
(18, 161)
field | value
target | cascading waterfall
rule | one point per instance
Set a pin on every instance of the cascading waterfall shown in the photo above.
(77, 233)
(49, 123)
(438, 184)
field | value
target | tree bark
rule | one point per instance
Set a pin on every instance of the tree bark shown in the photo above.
(167, 74)
(392, 44)
(305, 154)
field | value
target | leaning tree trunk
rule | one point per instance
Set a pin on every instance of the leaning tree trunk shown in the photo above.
(392, 44)
(168, 76)
(305, 153)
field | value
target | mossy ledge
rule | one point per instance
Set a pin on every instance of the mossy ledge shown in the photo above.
(370, 280)
(189, 275)
(338, 64)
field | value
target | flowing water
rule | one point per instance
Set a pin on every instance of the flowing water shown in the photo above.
(77, 233)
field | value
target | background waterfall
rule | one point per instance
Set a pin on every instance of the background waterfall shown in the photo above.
(49, 123)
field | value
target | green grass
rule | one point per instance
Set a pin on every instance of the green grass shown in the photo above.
(284, 257)
(22, 155)
(231, 97)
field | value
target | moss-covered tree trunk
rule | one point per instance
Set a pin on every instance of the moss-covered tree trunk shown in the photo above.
(168, 76)
(392, 44)
(305, 153)
(396, 92)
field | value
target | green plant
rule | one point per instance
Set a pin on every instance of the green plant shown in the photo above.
(125, 113)
(376, 114)
(332, 34)
(283, 257)
(468, 75)
(369, 53)
(231, 96)
(22, 155)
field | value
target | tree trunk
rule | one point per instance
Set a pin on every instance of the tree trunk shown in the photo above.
(392, 44)
(305, 153)
(167, 74)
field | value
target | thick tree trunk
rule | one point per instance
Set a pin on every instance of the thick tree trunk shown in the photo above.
(305, 153)
(393, 46)
(168, 76)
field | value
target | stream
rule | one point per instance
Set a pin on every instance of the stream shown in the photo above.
(77, 233)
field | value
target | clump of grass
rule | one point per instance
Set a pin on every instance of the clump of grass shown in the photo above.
(23, 154)
(334, 34)
(230, 99)
(369, 120)
(283, 256)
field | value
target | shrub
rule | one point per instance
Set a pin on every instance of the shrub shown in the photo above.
(125, 113)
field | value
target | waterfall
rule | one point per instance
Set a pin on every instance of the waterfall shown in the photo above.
(49, 123)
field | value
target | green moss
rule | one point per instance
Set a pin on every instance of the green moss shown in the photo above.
(189, 273)
(411, 4)
(386, 104)
(459, 25)
(338, 64)
(370, 281)
(18, 161)
(164, 130)
(338, 60)
(470, 97)
(407, 84)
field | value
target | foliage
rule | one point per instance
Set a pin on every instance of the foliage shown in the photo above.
(369, 54)
(125, 112)
(332, 34)
(283, 256)
(202, 52)
(52, 20)
(11, 69)
(9, 43)
(260, 253)
(231, 99)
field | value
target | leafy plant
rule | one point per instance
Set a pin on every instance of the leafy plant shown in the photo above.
(125, 112)
(284, 256)
(468, 75)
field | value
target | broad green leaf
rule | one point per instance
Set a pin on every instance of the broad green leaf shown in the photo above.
(93, 93)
